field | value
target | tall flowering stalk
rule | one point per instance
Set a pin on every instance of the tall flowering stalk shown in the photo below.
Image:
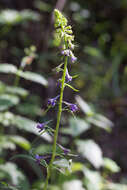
(64, 39)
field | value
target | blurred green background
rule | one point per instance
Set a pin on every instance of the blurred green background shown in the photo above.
(99, 134)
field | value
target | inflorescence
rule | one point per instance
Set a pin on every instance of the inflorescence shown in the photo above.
(63, 38)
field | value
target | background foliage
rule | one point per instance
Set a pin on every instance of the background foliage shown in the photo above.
(98, 135)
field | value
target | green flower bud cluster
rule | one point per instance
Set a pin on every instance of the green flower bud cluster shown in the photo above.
(63, 33)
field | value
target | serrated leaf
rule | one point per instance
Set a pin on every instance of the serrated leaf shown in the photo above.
(91, 151)
(7, 68)
(33, 77)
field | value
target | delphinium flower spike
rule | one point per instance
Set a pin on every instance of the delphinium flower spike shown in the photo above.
(63, 37)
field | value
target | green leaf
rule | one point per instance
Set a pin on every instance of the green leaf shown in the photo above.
(16, 90)
(12, 17)
(111, 165)
(29, 125)
(6, 101)
(62, 163)
(93, 179)
(84, 106)
(7, 68)
(71, 87)
(33, 77)
(6, 186)
(100, 121)
(29, 109)
(23, 156)
(9, 119)
(77, 127)
(11, 170)
(5, 143)
(91, 151)
(93, 52)
(115, 186)
(22, 142)
(75, 184)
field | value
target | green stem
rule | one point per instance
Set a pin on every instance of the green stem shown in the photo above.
(49, 169)
(17, 78)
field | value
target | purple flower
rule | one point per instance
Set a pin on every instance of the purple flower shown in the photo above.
(73, 59)
(40, 126)
(52, 101)
(65, 150)
(73, 107)
(68, 77)
(66, 52)
(38, 158)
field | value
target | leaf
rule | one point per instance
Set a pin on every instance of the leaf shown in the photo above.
(22, 142)
(116, 186)
(93, 179)
(101, 121)
(73, 185)
(91, 151)
(7, 68)
(93, 52)
(77, 127)
(29, 125)
(33, 77)
(62, 163)
(6, 101)
(6, 186)
(23, 156)
(11, 169)
(29, 109)
(9, 119)
(16, 90)
(12, 17)
(77, 166)
(84, 106)
(71, 87)
(111, 165)
(5, 143)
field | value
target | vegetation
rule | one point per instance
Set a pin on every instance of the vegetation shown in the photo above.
(63, 114)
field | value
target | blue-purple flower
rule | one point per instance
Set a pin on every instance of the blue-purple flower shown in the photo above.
(73, 59)
(41, 126)
(72, 107)
(38, 158)
(65, 150)
(52, 101)
(68, 77)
